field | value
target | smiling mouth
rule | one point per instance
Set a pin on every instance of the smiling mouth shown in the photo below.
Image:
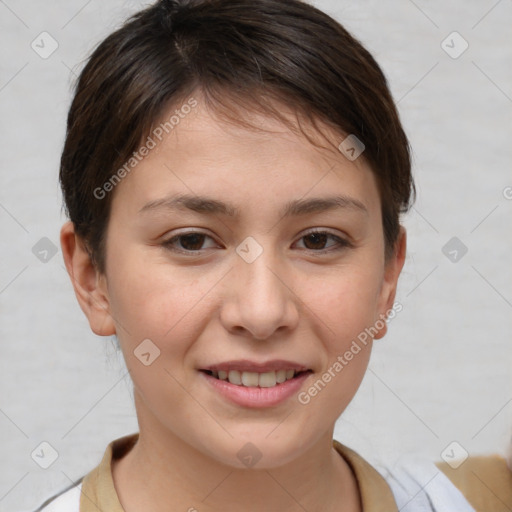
(256, 379)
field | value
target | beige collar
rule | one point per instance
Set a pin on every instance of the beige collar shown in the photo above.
(99, 493)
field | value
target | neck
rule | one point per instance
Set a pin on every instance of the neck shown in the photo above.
(162, 471)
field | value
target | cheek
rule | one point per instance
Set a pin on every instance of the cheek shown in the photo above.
(157, 302)
(167, 308)
(346, 306)
(346, 301)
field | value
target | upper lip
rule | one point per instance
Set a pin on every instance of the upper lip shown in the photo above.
(244, 365)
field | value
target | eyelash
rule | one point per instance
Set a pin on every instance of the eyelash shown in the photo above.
(342, 243)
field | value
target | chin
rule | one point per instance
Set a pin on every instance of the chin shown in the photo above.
(258, 452)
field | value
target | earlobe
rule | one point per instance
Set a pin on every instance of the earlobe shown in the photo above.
(89, 285)
(392, 272)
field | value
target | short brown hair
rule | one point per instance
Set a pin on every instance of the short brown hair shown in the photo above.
(236, 52)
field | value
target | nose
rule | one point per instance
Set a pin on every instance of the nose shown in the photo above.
(259, 299)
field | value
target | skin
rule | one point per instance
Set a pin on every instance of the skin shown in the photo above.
(198, 309)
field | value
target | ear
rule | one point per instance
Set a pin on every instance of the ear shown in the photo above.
(389, 284)
(90, 286)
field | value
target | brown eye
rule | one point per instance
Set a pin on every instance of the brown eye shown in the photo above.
(192, 242)
(186, 242)
(316, 241)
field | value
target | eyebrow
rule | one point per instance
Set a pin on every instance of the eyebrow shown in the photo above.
(209, 206)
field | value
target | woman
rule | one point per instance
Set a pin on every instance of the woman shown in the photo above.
(234, 173)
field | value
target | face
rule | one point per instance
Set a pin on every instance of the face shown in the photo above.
(278, 267)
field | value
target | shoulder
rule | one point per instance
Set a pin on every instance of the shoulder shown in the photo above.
(410, 484)
(418, 484)
(95, 484)
(67, 500)
(485, 480)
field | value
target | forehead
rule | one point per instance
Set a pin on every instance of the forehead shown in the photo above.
(203, 154)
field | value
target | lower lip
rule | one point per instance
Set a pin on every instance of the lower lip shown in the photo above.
(256, 397)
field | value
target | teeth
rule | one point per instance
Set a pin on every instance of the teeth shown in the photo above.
(280, 376)
(267, 380)
(254, 379)
(249, 378)
(235, 377)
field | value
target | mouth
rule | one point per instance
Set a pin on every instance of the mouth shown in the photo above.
(268, 379)
(256, 385)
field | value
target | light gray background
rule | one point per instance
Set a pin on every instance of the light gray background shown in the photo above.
(441, 374)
